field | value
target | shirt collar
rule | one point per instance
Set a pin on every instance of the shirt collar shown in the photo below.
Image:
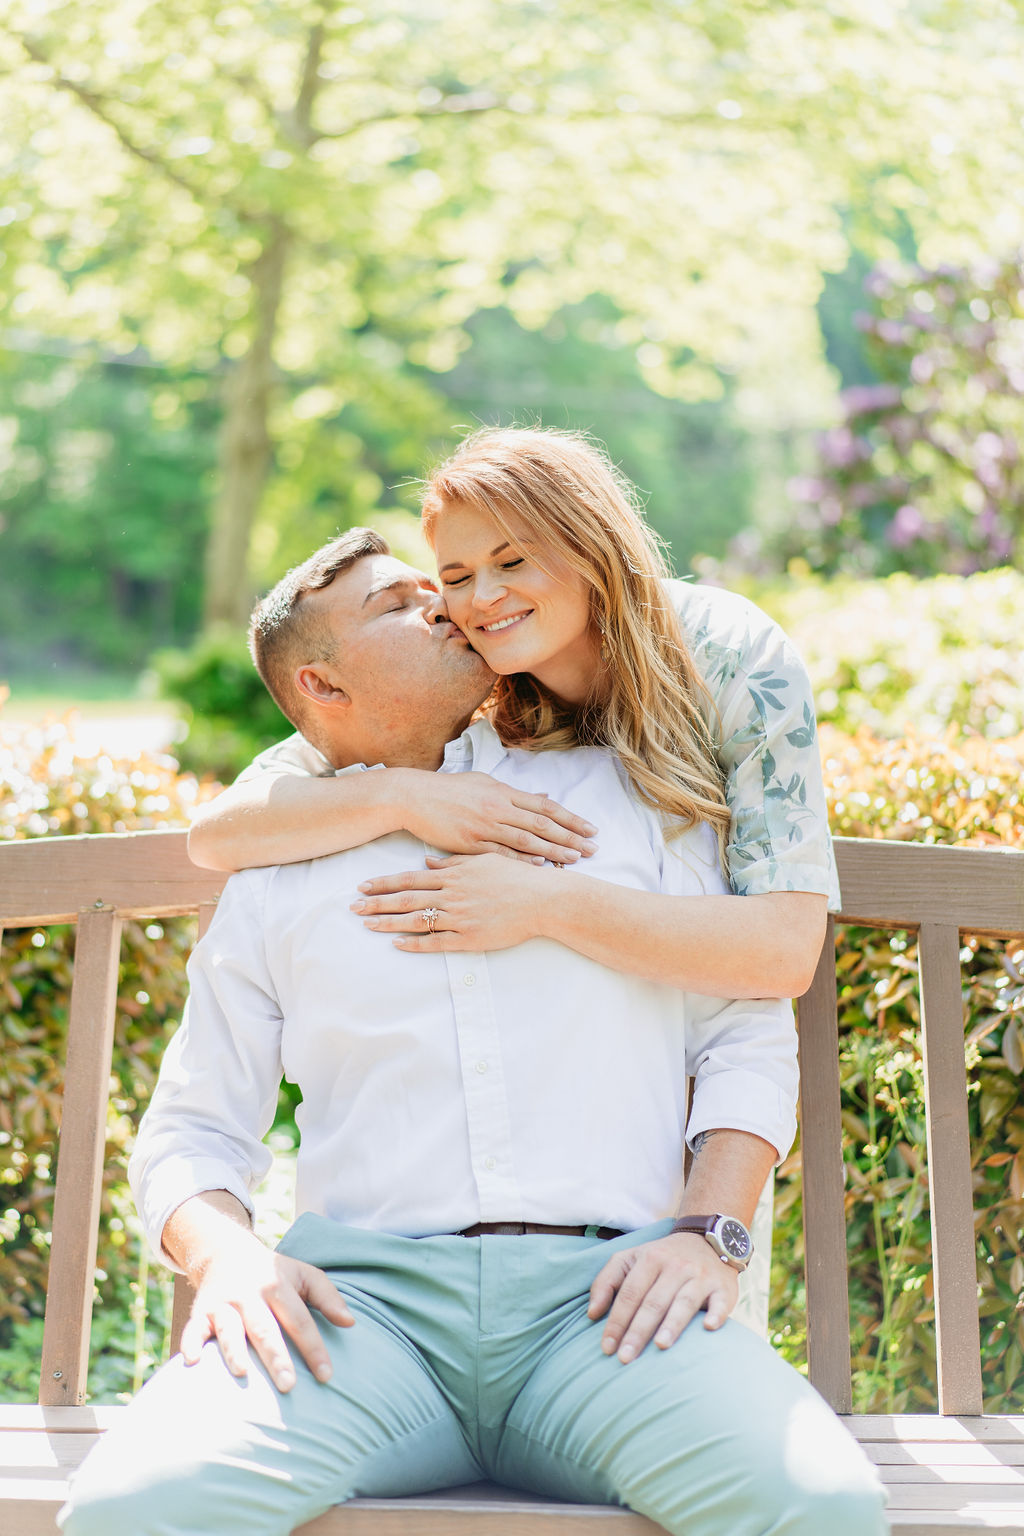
(478, 748)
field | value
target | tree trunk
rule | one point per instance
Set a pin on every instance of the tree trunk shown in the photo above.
(245, 448)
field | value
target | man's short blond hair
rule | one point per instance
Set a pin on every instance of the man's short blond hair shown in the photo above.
(285, 633)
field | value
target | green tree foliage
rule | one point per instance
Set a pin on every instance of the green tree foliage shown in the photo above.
(924, 473)
(101, 510)
(301, 191)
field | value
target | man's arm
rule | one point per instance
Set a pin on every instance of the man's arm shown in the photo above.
(656, 1289)
(742, 1056)
(199, 1153)
(246, 1291)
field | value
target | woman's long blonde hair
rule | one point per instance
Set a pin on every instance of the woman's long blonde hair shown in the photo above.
(657, 713)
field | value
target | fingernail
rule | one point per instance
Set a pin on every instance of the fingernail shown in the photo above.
(626, 1353)
(365, 885)
(663, 1340)
(588, 830)
(608, 1344)
(285, 1380)
(589, 847)
(358, 906)
(323, 1372)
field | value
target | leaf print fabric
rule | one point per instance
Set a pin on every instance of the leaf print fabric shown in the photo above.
(767, 743)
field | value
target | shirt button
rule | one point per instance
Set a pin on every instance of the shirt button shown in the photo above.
(490, 1163)
(481, 1066)
(469, 980)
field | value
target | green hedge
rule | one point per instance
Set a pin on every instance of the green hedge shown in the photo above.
(46, 791)
(956, 789)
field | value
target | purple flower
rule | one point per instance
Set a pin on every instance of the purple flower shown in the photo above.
(862, 398)
(906, 526)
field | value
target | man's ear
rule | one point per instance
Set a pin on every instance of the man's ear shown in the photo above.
(314, 683)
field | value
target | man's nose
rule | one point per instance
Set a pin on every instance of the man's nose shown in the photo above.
(435, 607)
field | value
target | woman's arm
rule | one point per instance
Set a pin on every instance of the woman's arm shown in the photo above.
(274, 818)
(722, 946)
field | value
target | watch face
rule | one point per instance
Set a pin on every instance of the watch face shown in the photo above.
(734, 1238)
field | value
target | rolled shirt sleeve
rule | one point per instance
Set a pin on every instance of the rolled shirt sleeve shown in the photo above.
(217, 1092)
(767, 738)
(742, 1057)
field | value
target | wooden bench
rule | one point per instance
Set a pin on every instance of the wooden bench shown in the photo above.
(958, 1470)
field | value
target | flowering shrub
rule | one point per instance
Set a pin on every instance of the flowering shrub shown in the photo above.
(45, 789)
(898, 653)
(924, 473)
(954, 789)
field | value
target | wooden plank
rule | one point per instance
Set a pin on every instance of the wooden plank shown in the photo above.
(931, 1453)
(36, 1453)
(184, 1295)
(991, 1428)
(183, 1298)
(938, 1522)
(31, 1417)
(922, 1496)
(80, 1160)
(510, 1514)
(52, 879)
(949, 1171)
(902, 885)
(953, 1477)
(821, 1159)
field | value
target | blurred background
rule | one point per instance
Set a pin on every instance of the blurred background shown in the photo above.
(262, 261)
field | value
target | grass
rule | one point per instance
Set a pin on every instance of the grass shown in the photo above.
(58, 689)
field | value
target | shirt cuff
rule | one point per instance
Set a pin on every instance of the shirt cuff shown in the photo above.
(723, 1103)
(177, 1179)
(765, 877)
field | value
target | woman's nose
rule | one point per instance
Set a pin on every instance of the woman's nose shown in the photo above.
(488, 588)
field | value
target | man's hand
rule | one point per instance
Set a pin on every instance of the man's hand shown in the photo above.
(482, 901)
(473, 813)
(245, 1290)
(658, 1288)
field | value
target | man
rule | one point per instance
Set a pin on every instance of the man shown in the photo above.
(402, 1337)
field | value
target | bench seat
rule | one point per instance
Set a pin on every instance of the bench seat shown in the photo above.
(963, 1475)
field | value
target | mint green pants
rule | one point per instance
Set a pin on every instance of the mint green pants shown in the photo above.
(474, 1358)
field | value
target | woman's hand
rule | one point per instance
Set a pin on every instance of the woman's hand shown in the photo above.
(473, 813)
(482, 902)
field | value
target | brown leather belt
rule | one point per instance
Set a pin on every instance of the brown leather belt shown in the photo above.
(528, 1228)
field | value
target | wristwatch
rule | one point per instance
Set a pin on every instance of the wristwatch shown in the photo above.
(726, 1234)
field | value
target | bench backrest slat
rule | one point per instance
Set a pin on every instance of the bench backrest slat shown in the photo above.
(828, 1302)
(80, 1160)
(183, 1292)
(53, 879)
(949, 1171)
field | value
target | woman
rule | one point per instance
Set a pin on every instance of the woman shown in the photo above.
(555, 578)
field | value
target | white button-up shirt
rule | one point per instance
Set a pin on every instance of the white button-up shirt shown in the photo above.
(439, 1090)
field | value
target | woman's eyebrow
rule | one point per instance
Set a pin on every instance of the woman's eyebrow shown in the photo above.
(455, 564)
